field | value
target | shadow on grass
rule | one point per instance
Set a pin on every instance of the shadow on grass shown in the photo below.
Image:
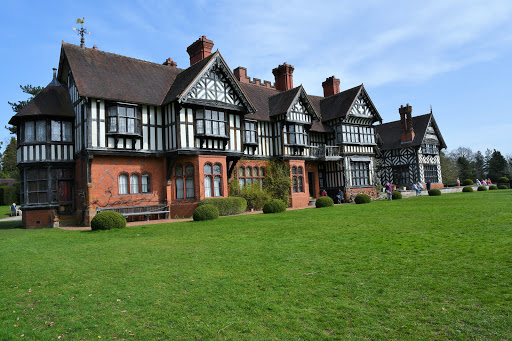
(8, 225)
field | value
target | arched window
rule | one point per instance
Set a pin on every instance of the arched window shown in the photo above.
(146, 188)
(184, 179)
(212, 180)
(250, 175)
(297, 179)
(134, 183)
(123, 183)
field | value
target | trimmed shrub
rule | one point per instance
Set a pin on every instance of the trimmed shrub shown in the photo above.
(434, 192)
(206, 212)
(362, 199)
(503, 180)
(255, 196)
(502, 187)
(482, 188)
(467, 182)
(226, 206)
(467, 189)
(396, 195)
(8, 195)
(274, 206)
(107, 220)
(492, 187)
(324, 202)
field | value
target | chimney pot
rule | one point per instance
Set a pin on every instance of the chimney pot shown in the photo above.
(170, 62)
(241, 74)
(200, 49)
(406, 127)
(94, 47)
(331, 86)
(284, 77)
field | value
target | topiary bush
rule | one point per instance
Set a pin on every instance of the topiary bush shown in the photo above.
(255, 196)
(467, 189)
(274, 206)
(467, 182)
(434, 192)
(107, 220)
(502, 187)
(324, 202)
(503, 180)
(205, 212)
(482, 188)
(492, 187)
(396, 195)
(226, 206)
(362, 199)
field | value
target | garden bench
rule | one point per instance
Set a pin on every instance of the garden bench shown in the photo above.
(146, 210)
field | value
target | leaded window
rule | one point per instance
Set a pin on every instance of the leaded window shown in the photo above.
(211, 123)
(297, 179)
(296, 135)
(134, 183)
(358, 135)
(250, 133)
(401, 175)
(429, 148)
(123, 184)
(430, 173)
(35, 131)
(61, 131)
(184, 181)
(124, 119)
(360, 173)
(145, 184)
(212, 180)
(37, 186)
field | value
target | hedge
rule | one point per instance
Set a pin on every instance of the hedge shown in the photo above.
(503, 180)
(324, 202)
(434, 192)
(226, 206)
(8, 195)
(206, 212)
(467, 182)
(107, 220)
(467, 189)
(396, 195)
(274, 206)
(362, 199)
(502, 187)
(492, 187)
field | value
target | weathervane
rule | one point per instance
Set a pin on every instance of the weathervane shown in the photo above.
(82, 31)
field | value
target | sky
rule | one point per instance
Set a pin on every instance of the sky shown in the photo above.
(451, 55)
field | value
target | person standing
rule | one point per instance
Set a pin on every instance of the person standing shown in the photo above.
(458, 182)
(428, 185)
(389, 191)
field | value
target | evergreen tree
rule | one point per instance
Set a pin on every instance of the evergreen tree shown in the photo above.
(479, 166)
(465, 169)
(9, 168)
(487, 158)
(33, 91)
(497, 166)
(449, 169)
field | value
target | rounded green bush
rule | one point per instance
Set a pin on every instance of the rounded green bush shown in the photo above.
(396, 195)
(467, 189)
(502, 187)
(205, 212)
(467, 182)
(492, 187)
(107, 220)
(274, 206)
(434, 192)
(226, 206)
(324, 202)
(503, 180)
(362, 199)
(482, 188)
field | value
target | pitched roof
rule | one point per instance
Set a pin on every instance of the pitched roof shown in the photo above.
(337, 106)
(390, 133)
(281, 102)
(53, 101)
(107, 75)
(259, 96)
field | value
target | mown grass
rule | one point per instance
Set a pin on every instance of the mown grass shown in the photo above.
(418, 268)
(5, 211)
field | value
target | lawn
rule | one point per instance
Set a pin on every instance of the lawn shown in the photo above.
(436, 268)
(5, 211)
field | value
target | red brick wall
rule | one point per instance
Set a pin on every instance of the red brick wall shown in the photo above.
(352, 192)
(34, 219)
(437, 186)
(300, 199)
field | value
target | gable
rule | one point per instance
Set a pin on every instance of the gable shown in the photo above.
(216, 86)
(362, 110)
(432, 134)
(298, 112)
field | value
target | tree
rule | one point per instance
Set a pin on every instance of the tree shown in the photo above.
(9, 160)
(465, 168)
(33, 91)
(479, 166)
(497, 166)
(464, 152)
(449, 168)
(277, 181)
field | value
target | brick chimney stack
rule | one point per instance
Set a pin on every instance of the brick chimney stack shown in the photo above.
(200, 49)
(331, 86)
(170, 62)
(406, 128)
(284, 77)
(241, 74)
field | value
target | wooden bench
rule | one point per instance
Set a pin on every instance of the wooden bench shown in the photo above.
(146, 211)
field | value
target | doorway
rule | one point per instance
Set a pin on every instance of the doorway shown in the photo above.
(311, 182)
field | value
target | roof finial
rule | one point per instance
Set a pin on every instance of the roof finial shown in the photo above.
(431, 108)
(82, 31)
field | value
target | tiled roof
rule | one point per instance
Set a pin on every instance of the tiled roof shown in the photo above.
(259, 96)
(337, 106)
(106, 75)
(390, 133)
(281, 102)
(53, 101)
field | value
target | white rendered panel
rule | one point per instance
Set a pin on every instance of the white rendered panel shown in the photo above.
(159, 138)
(190, 128)
(145, 144)
(183, 128)
(144, 114)
(111, 142)
(159, 116)
(94, 125)
(152, 128)
(102, 124)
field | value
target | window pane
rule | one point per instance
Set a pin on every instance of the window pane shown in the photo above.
(121, 111)
(208, 128)
(123, 184)
(241, 171)
(189, 170)
(41, 131)
(262, 171)
(190, 187)
(145, 183)
(216, 168)
(300, 170)
(179, 188)
(178, 171)
(131, 125)
(130, 112)
(122, 124)
(134, 184)
(208, 186)
(215, 129)
(248, 171)
(199, 113)
(221, 116)
(216, 186)
(29, 131)
(222, 128)
(215, 116)
(294, 170)
(112, 124)
(200, 126)
(208, 114)
(207, 168)
(301, 188)
(255, 171)
(56, 136)
(295, 188)
(67, 131)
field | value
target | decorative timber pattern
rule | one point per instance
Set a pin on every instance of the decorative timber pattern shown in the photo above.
(406, 158)
(298, 113)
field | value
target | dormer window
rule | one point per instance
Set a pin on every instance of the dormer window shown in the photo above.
(124, 119)
(211, 123)
(296, 135)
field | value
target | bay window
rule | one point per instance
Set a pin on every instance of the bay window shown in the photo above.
(211, 122)
(124, 119)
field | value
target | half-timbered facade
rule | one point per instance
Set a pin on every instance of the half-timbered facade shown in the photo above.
(410, 150)
(116, 133)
